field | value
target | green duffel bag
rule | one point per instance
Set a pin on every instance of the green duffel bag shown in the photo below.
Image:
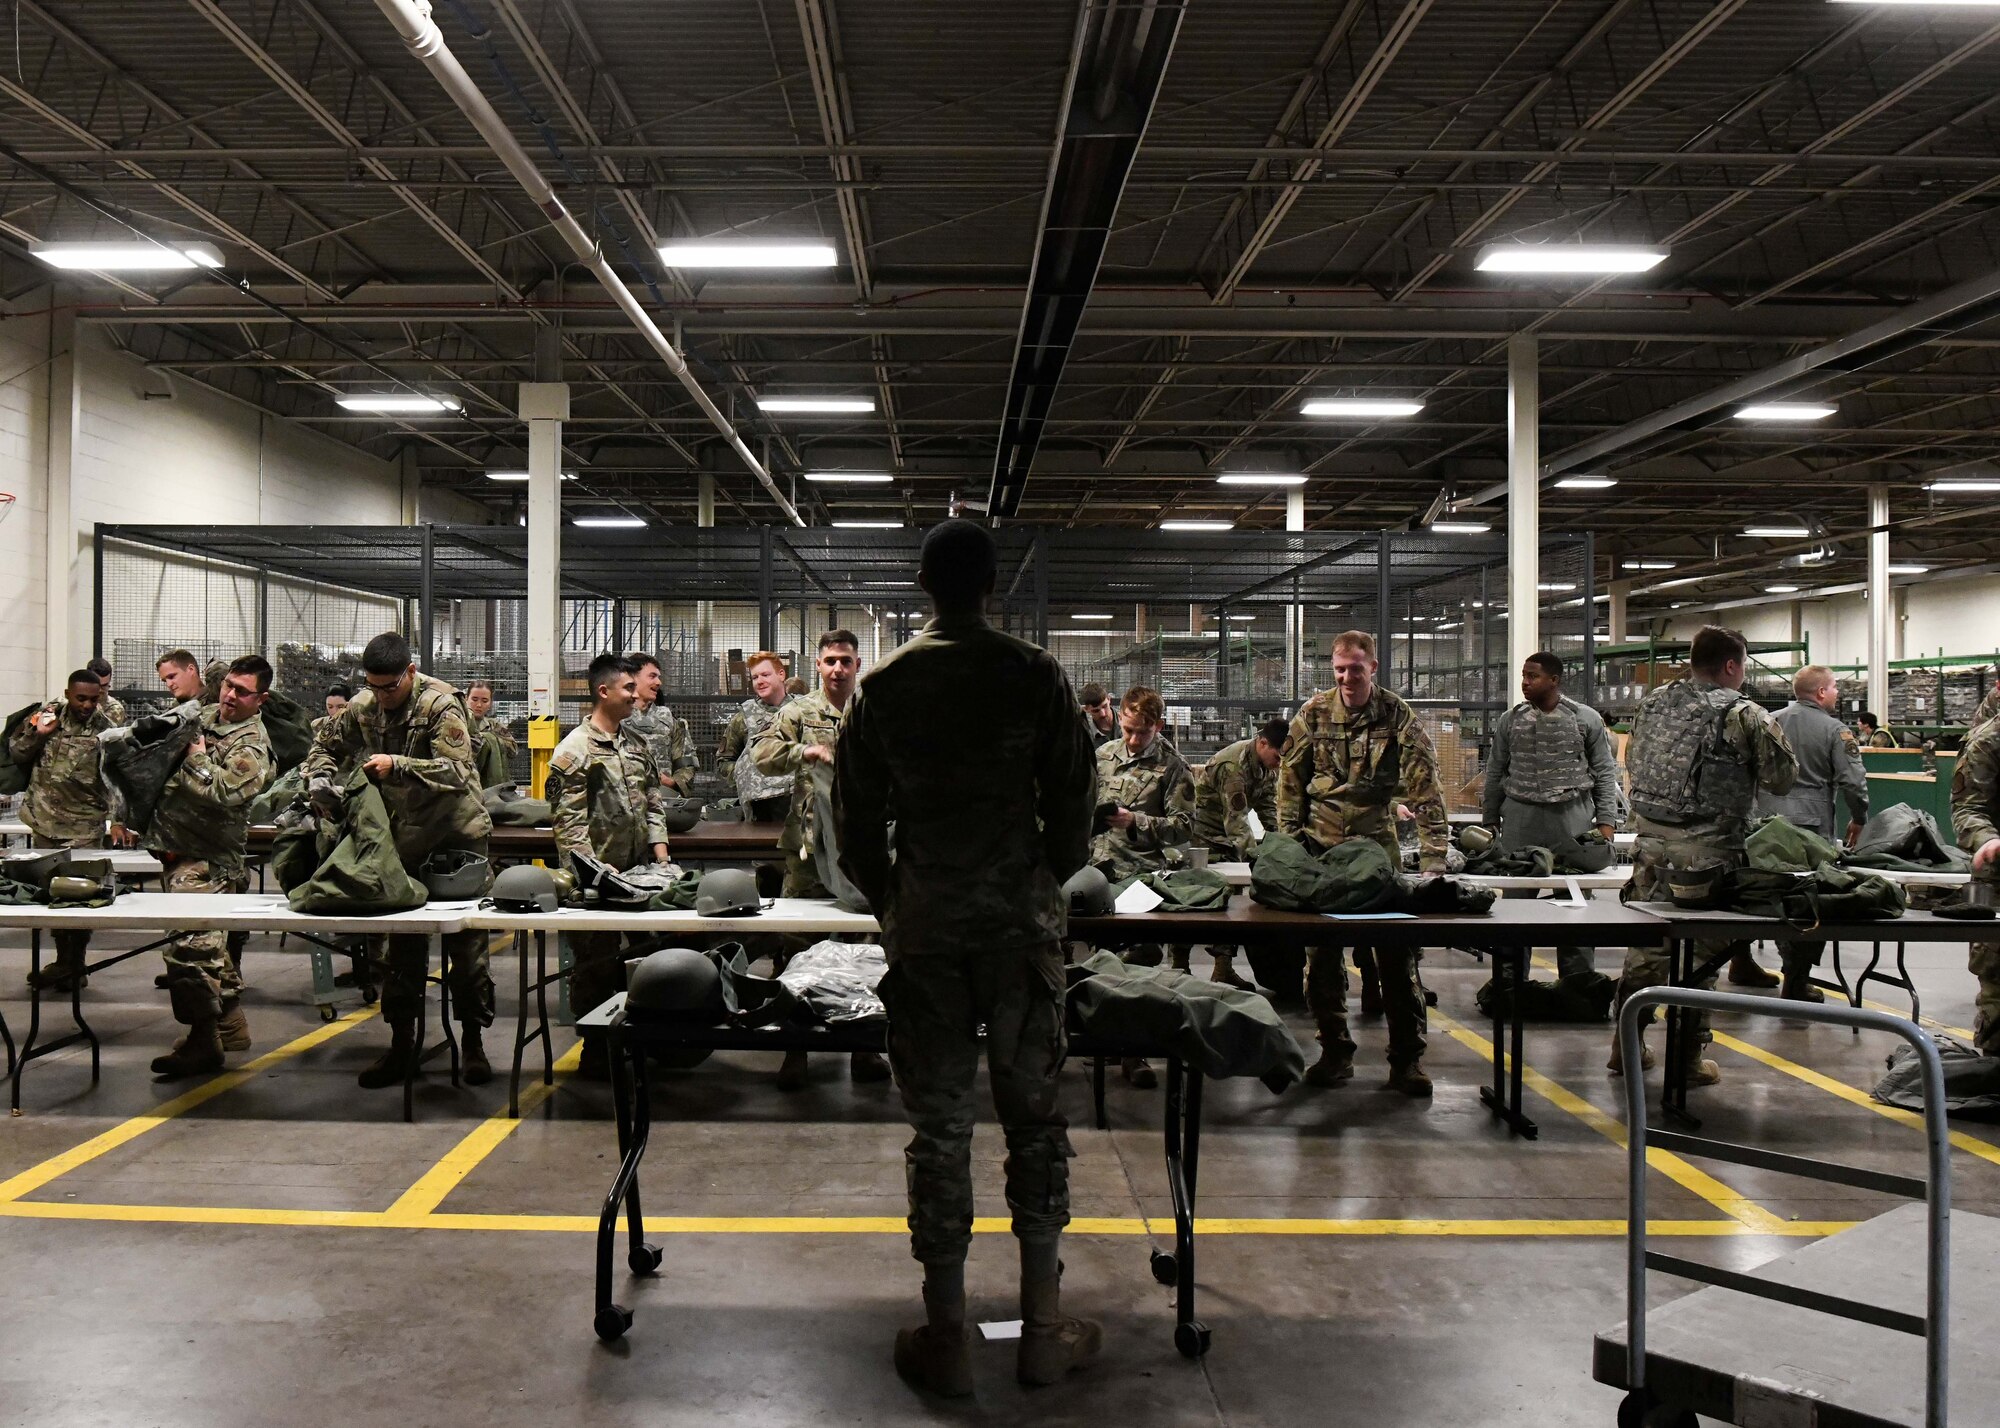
(1778, 845)
(1183, 889)
(14, 776)
(508, 807)
(1348, 877)
(361, 874)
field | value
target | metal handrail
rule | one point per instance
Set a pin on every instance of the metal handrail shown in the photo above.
(1937, 1136)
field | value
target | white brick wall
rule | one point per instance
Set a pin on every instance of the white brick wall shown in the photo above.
(24, 397)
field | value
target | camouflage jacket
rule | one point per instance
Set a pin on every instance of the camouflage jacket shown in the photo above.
(65, 801)
(983, 839)
(807, 720)
(432, 789)
(1232, 784)
(745, 726)
(1157, 787)
(1756, 743)
(478, 727)
(1883, 739)
(113, 710)
(204, 810)
(1975, 789)
(1988, 706)
(1345, 770)
(605, 791)
(669, 740)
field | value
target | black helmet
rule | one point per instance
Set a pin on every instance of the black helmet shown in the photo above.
(726, 892)
(525, 888)
(675, 985)
(1700, 886)
(455, 874)
(1089, 893)
(681, 814)
(727, 810)
(1588, 852)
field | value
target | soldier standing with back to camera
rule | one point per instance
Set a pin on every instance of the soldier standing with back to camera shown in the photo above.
(65, 806)
(1700, 751)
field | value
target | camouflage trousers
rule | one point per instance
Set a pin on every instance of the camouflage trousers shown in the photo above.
(405, 959)
(1984, 960)
(1653, 966)
(936, 1005)
(801, 880)
(1403, 1004)
(202, 982)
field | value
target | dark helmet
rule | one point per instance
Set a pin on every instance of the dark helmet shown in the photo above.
(1588, 852)
(1476, 838)
(1699, 886)
(455, 874)
(681, 814)
(727, 810)
(727, 892)
(1089, 893)
(525, 888)
(675, 985)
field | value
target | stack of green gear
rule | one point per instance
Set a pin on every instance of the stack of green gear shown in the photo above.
(1589, 852)
(349, 867)
(1906, 839)
(1219, 1029)
(508, 807)
(1352, 876)
(1777, 845)
(284, 791)
(1182, 889)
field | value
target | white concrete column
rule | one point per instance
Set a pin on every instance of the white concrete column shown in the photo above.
(409, 485)
(545, 407)
(704, 610)
(1524, 504)
(1615, 625)
(1881, 610)
(59, 646)
(1295, 613)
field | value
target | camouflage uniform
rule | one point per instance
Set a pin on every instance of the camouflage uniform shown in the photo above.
(1754, 747)
(1975, 818)
(199, 831)
(605, 791)
(766, 797)
(1883, 739)
(803, 722)
(1989, 705)
(1158, 789)
(1227, 789)
(65, 805)
(493, 745)
(971, 906)
(113, 709)
(1343, 772)
(432, 795)
(670, 740)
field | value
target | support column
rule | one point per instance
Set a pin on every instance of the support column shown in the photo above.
(704, 610)
(1295, 613)
(1881, 610)
(59, 528)
(409, 484)
(1616, 625)
(1524, 514)
(545, 407)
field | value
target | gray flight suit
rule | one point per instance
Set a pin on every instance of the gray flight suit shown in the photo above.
(1829, 758)
(986, 829)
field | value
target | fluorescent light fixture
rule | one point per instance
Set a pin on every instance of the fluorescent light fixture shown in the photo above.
(1454, 625)
(1568, 259)
(1962, 487)
(747, 255)
(1587, 483)
(127, 257)
(1090, 617)
(1777, 532)
(521, 475)
(826, 405)
(1460, 527)
(1562, 585)
(1197, 525)
(1781, 589)
(869, 525)
(899, 585)
(404, 402)
(1251, 478)
(1926, 4)
(850, 478)
(1896, 569)
(611, 523)
(1242, 617)
(1648, 565)
(1785, 411)
(1361, 407)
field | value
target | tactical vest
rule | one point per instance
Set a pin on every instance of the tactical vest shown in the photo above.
(757, 717)
(1546, 760)
(1684, 771)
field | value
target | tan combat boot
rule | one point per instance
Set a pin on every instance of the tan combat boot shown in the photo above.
(1616, 1065)
(1052, 1345)
(1410, 1078)
(199, 1053)
(473, 1067)
(936, 1355)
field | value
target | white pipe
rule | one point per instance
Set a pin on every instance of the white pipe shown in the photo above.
(1524, 516)
(412, 19)
(1881, 611)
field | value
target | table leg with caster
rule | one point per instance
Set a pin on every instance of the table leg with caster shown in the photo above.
(1183, 1144)
(628, 1092)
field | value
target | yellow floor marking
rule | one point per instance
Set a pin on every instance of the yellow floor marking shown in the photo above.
(883, 1224)
(441, 1179)
(35, 1177)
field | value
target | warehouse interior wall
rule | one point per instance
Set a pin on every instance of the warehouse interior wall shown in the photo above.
(1950, 617)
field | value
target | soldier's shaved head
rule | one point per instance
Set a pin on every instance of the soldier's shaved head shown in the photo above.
(958, 564)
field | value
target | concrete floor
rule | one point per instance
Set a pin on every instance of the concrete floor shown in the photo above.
(286, 1247)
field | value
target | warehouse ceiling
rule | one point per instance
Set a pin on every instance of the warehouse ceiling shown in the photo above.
(1290, 202)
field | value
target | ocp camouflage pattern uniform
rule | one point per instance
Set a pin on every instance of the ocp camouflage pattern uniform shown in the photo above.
(670, 740)
(1883, 739)
(1975, 819)
(431, 793)
(1233, 784)
(493, 745)
(1989, 705)
(765, 797)
(971, 907)
(113, 709)
(65, 805)
(1713, 833)
(606, 796)
(199, 830)
(803, 722)
(1158, 790)
(1342, 775)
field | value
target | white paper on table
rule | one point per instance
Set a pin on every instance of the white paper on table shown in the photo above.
(1256, 826)
(1140, 897)
(993, 1329)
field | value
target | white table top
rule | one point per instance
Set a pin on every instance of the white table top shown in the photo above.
(14, 828)
(126, 862)
(786, 914)
(1238, 875)
(235, 912)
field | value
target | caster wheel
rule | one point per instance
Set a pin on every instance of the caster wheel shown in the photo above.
(1166, 1269)
(611, 1322)
(645, 1259)
(1191, 1339)
(327, 1013)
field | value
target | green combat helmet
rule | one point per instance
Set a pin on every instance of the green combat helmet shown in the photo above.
(727, 892)
(525, 888)
(681, 814)
(1089, 893)
(455, 874)
(675, 986)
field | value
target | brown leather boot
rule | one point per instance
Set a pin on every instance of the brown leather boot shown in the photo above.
(1052, 1345)
(1410, 1079)
(199, 1053)
(392, 1067)
(1744, 971)
(936, 1355)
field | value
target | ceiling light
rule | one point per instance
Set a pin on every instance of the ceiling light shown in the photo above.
(1197, 525)
(869, 525)
(1242, 617)
(1560, 585)
(850, 478)
(1454, 625)
(1587, 483)
(1895, 569)
(1926, 4)
(1460, 527)
(1648, 565)
(127, 257)
(521, 475)
(1090, 617)
(896, 585)
(1248, 478)
(404, 402)
(747, 255)
(1784, 411)
(1567, 259)
(1777, 532)
(611, 523)
(1967, 487)
(1361, 407)
(816, 404)
(1781, 589)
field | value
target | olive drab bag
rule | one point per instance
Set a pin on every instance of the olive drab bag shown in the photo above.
(1684, 770)
(14, 776)
(1351, 876)
(1777, 845)
(1183, 889)
(289, 728)
(361, 872)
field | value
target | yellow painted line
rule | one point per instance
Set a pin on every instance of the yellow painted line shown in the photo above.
(35, 1177)
(441, 1179)
(1971, 1145)
(880, 1224)
(1689, 1177)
